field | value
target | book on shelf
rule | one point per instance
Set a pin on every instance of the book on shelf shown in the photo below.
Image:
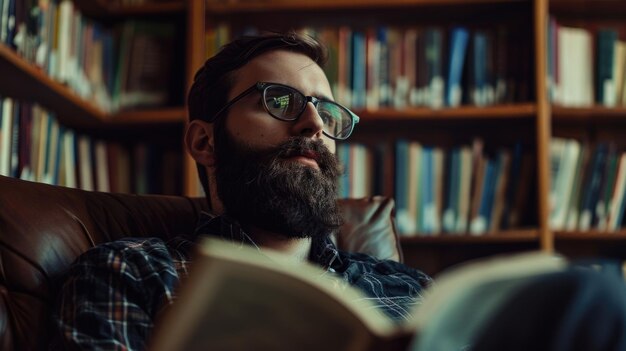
(609, 182)
(459, 38)
(616, 210)
(502, 183)
(571, 222)
(606, 79)
(239, 298)
(564, 157)
(591, 187)
(434, 90)
(6, 131)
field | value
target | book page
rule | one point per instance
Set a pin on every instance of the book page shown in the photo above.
(466, 296)
(263, 302)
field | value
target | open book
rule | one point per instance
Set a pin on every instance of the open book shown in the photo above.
(237, 298)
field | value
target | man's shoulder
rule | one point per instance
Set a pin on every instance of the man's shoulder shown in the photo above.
(137, 250)
(127, 247)
(359, 264)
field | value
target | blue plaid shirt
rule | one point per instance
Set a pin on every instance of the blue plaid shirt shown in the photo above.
(114, 292)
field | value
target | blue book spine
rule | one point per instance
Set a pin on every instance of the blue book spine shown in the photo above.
(402, 157)
(480, 69)
(486, 201)
(383, 72)
(427, 193)
(453, 188)
(359, 70)
(592, 186)
(458, 46)
(10, 25)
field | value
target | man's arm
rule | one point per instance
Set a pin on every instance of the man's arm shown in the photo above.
(112, 294)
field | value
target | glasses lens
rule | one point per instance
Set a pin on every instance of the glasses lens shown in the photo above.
(337, 119)
(283, 102)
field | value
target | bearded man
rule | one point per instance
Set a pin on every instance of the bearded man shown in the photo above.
(262, 130)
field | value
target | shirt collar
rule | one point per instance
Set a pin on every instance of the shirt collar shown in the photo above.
(323, 251)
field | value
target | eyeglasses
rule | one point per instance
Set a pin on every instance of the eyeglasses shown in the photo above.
(287, 104)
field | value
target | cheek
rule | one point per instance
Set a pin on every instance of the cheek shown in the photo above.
(256, 134)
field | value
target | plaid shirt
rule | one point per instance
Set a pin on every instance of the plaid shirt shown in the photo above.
(114, 291)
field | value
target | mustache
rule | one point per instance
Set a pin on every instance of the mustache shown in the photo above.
(303, 146)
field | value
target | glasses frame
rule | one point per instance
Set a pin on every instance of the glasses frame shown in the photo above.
(262, 88)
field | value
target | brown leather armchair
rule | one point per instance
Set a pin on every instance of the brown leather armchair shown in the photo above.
(44, 228)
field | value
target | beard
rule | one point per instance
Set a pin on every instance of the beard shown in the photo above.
(262, 188)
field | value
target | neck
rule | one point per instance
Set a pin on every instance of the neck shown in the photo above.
(298, 248)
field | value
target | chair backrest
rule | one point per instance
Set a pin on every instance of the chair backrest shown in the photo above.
(44, 228)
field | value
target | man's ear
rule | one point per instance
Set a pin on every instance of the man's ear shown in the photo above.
(200, 142)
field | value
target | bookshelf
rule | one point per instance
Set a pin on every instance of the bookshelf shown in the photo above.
(137, 135)
(592, 125)
(531, 116)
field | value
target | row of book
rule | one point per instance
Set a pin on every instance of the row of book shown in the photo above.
(588, 186)
(400, 67)
(119, 66)
(458, 190)
(34, 146)
(586, 66)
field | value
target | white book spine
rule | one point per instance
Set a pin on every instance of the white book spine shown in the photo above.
(6, 131)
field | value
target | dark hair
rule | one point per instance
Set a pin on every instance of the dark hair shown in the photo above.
(213, 81)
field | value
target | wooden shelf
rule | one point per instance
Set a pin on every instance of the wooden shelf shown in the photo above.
(591, 235)
(234, 6)
(70, 109)
(509, 236)
(593, 114)
(592, 111)
(512, 111)
(150, 116)
(586, 9)
(104, 9)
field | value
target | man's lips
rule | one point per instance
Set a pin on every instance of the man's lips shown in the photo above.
(307, 157)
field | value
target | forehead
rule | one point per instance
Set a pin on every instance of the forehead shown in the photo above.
(285, 67)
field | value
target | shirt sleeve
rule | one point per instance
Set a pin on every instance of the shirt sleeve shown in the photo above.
(112, 293)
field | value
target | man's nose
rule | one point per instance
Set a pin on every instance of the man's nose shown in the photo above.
(309, 123)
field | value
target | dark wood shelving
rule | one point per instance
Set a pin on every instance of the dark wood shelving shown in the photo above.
(149, 116)
(592, 235)
(588, 9)
(512, 111)
(509, 236)
(232, 7)
(589, 114)
(108, 9)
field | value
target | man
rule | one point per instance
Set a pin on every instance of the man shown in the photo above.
(262, 131)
